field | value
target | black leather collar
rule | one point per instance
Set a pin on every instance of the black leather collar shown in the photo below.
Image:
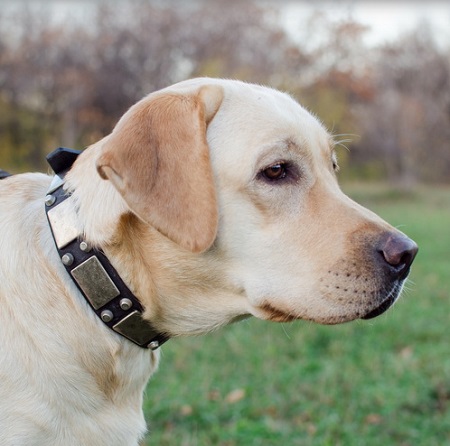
(4, 174)
(99, 283)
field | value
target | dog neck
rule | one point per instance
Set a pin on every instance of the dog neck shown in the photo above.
(77, 378)
(96, 278)
(88, 191)
(169, 280)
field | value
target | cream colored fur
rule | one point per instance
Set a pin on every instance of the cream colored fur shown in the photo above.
(177, 198)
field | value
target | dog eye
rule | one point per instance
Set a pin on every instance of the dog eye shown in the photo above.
(280, 172)
(276, 172)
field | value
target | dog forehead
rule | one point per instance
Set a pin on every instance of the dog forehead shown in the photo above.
(270, 116)
(253, 119)
(252, 103)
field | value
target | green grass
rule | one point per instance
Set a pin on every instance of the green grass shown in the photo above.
(379, 382)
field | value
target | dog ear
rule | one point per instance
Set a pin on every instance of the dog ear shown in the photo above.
(157, 157)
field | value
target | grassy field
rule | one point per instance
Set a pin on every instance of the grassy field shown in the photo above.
(379, 382)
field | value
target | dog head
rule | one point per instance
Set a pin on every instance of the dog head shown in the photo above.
(233, 208)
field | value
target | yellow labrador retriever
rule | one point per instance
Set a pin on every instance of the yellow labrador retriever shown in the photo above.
(211, 200)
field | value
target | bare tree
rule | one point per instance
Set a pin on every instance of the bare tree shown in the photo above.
(67, 84)
(74, 82)
(407, 123)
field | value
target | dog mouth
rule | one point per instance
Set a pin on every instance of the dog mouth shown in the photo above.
(387, 302)
(267, 311)
(275, 315)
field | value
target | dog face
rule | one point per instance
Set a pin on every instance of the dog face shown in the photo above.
(231, 190)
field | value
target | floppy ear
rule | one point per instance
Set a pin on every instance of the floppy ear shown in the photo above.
(157, 157)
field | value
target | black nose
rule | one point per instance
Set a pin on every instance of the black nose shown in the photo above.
(399, 252)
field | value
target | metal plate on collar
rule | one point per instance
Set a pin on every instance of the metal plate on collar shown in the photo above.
(63, 220)
(57, 181)
(135, 328)
(95, 282)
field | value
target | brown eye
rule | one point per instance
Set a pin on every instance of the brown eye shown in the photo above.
(280, 173)
(275, 172)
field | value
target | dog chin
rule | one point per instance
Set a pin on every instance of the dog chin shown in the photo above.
(387, 303)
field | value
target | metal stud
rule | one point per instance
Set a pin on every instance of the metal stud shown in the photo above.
(84, 246)
(106, 315)
(153, 345)
(67, 259)
(50, 200)
(125, 303)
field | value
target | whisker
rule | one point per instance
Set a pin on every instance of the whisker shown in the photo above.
(346, 138)
(285, 332)
(352, 135)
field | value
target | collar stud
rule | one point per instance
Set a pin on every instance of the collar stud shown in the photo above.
(153, 345)
(85, 247)
(125, 304)
(106, 315)
(50, 200)
(67, 259)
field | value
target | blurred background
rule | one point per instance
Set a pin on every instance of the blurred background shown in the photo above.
(378, 75)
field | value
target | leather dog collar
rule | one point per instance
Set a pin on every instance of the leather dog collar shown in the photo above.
(4, 174)
(93, 274)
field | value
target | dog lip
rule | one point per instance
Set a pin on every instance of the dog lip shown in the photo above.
(380, 309)
(275, 315)
(386, 304)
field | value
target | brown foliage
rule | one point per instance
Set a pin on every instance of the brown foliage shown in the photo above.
(67, 83)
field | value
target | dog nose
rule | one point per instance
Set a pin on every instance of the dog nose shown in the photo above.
(399, 252)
